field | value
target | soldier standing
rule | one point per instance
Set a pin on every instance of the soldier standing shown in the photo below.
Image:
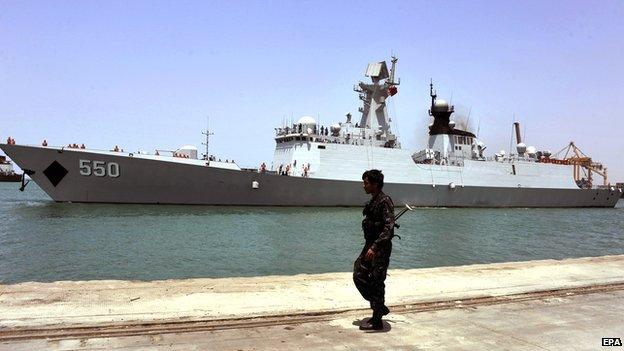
(369, 271)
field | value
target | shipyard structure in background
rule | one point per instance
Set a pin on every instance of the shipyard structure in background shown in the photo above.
(318, 166)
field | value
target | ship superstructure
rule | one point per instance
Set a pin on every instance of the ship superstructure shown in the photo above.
(7, 174)
(316, 165)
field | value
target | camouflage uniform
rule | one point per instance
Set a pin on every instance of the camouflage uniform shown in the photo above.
(378, 227)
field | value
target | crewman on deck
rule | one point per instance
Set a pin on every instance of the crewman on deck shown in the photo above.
(45, 143)
(369, 269)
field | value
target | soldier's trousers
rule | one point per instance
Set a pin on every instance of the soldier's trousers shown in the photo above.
(369, 276)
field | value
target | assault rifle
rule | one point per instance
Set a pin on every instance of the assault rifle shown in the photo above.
(402, 212)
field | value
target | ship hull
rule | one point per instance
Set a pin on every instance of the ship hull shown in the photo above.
(148, 181)
(10, 177)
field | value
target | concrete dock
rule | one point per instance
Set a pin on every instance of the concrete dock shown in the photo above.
(544, 305)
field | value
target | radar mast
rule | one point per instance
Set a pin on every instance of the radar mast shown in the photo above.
(374, 95)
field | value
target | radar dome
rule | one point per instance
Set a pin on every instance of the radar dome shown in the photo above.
(452, 124)
(522, 148)
(441, 105)
(531, 150)
(306, 120)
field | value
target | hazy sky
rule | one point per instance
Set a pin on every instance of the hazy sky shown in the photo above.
(146, 74)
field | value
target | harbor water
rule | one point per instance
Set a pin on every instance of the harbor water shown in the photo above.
(43, 241)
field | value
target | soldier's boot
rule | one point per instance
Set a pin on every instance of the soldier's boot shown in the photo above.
(374, 323)
(384, 311)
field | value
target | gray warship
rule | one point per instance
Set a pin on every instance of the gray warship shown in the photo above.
(315, 165)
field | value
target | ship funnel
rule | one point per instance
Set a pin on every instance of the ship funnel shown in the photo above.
(518, 137)
(520, 147)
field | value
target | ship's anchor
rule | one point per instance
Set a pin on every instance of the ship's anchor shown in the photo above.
(24, 181)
